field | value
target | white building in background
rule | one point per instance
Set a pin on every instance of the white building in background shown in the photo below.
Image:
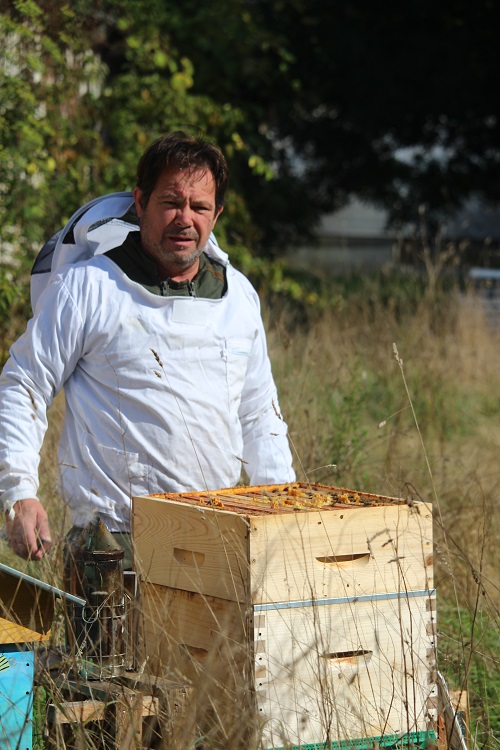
(356, 239)
(351, 240)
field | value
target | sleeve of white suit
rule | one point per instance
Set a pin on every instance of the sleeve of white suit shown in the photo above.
(266, 451)
(40, 362)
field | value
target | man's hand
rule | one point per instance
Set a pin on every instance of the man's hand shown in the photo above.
(28, 529)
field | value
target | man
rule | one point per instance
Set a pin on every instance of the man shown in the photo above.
(161, 351)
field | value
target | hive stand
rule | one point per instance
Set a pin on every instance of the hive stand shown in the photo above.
(126, 713)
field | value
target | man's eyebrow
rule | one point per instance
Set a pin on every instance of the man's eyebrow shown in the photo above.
(173, 194)
(168, 194)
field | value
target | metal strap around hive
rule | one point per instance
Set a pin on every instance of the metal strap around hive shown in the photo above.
(344, 600)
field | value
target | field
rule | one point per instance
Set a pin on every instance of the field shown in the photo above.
(402, 399)
(395, 389)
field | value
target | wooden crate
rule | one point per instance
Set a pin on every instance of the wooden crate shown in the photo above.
(26, 614)
(114, 714)
(310, 606)
(26, 609)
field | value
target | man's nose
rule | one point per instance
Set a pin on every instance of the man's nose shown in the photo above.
(183, 215)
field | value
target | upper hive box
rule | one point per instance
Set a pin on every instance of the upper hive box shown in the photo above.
(283, 543)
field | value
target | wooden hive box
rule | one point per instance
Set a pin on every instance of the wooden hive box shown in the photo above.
(26, 614)
(26, 608)
(310, 607)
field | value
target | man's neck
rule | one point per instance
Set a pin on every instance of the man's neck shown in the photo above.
(184, 276)
(167, 273)
(209, 280)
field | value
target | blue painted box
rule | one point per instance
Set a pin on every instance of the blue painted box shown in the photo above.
(16, 697)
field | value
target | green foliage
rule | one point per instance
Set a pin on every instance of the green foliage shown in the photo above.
(339, 91)
(7, 296)
(469, 645)
(48, 144)
(13, 308)
(79, 102)
(348, 434)
(84, 86)
(39, 714)
(8, 293)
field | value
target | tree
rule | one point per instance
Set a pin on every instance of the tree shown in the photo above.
(397, 103)
(74, 123)
(311, 102)
(84, 88)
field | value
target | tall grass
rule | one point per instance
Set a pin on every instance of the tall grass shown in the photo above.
(424, 427)
(429, 430)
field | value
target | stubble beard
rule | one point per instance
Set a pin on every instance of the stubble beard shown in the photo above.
(175, 260)
(170, 261)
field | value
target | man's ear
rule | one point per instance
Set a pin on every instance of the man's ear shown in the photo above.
(218, 212)
(138, 201)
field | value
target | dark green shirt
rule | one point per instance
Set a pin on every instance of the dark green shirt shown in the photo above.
(209, 282)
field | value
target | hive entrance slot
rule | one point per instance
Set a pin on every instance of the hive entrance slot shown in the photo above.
(349, 657)
(193, 652)
(358, 558)
(189, 557)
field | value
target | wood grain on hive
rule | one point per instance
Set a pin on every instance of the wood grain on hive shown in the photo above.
(318, 601)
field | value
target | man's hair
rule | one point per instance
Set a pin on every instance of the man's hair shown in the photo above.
(177, 149)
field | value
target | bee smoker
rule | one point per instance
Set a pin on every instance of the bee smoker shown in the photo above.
(96, 633)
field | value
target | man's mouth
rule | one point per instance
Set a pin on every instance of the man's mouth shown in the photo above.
(181, 240)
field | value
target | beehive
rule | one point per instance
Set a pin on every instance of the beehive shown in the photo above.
(16, 697)
(26, 607)
(26, 613)
(311, 605)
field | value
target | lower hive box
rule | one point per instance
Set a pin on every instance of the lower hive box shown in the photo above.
(345, 670)
(304, 614)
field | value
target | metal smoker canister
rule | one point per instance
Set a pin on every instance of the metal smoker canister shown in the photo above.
(96, 633)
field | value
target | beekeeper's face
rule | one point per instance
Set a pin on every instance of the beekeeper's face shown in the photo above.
(177, 220)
